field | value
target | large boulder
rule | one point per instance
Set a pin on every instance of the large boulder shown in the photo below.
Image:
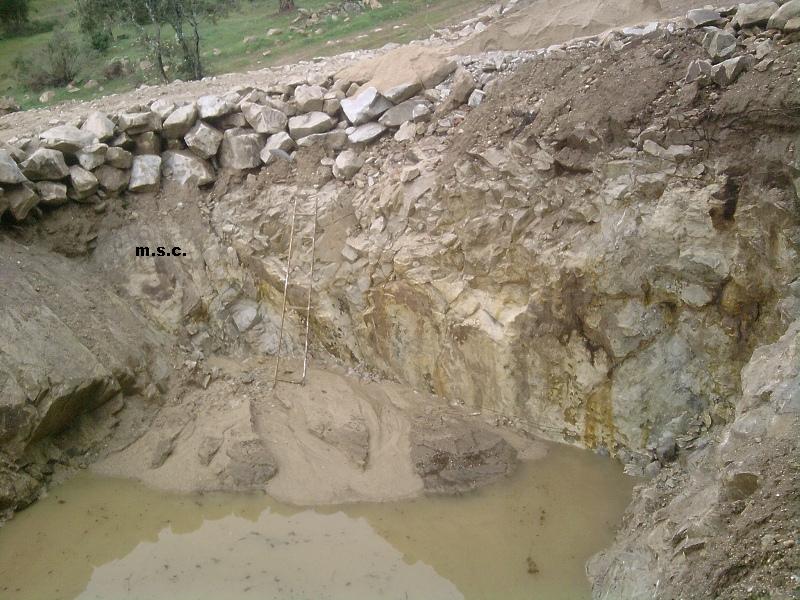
(727, 71)
(119, 158)
(180, 121)
(112, 179)
(213, 107)
(364, 134)
(203, 139)
(309, 98)
(140, 122)
(403, 92)
(280, 141)
(66, 138)
(20, 201)
(787, 12)
(463, 84)
(314, 122)
(410, 63)
(51, 193)
(241, 149)
(365, 106)
(83, 183)
(10, 172)
(263, 118)
(186, 168)
(45, 163)
(92, 156)
(719, 44)
(757, 13)
(98, 125)
(411, 110)
(145, 173)
(347, 164)
(700, 17)
(331, 140)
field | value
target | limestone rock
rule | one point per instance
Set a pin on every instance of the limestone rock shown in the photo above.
(476, 97)
(411, 110)
(757, 13)
(251, 464)
(406, 132)
(140, 122)
(347, 164)
(332, 140)
(699, 70)
(98, 125)
(241, 149)
(20, 201)
(148, 142)
(203, 139)
(463, 84)
(112, 179)
(263, 118)
(213, 107)
(280, 141)
(119, 158)
(91, 157)
(185, 168)
(52, 193)
(10, 172)
(700, 17)
(163, 107)
(404, 91)
(45, 163)
(145, 173)
(719, 45)
(727, 71)
(314, 122)
(66, 138)
(180, 121)
(364, 134)
(83, 183)
(367, 105)
(787, 12)
(309, 98)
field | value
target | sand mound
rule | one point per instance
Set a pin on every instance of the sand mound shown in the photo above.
(426, 65)
(546, 22)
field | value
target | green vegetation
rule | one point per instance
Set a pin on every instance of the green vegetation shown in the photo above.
(235, 41)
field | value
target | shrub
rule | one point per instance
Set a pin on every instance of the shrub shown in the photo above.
(100, 40)
(55, 64)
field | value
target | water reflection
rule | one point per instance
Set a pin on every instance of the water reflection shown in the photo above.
(527, 537)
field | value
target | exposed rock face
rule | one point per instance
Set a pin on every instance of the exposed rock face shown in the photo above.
(756, 13)
(704, 526)
(63, 364)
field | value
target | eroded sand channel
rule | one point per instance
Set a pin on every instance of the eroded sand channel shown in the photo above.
(115, 539)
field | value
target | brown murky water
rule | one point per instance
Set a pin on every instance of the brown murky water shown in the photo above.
(527, 537)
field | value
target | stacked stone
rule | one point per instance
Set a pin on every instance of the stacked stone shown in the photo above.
(188, 143)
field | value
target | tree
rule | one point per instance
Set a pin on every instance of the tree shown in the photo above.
(150, 17)
(286, 5)
(13, 14)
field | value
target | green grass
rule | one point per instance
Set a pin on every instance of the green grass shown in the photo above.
(398, 21)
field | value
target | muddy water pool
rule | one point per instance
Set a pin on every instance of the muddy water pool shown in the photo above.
(526, 537)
